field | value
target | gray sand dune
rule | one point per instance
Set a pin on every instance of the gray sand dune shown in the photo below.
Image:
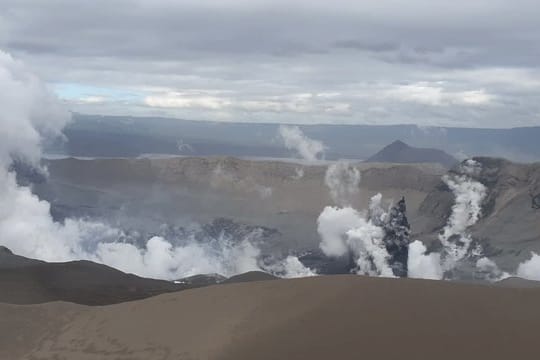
(334, 317)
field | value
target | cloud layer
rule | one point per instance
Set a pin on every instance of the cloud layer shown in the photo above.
(458, 64)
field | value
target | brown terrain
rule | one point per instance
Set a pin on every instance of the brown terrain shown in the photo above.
(332, 317)
(28, 281)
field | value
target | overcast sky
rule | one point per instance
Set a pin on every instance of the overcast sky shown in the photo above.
(472, 63)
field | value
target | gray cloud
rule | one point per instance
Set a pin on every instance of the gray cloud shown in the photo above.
(459, 63)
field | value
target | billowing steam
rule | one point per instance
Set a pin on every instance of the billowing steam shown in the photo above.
(367, 236)
(294, 139)
(530, 269)
(469, 195)
(456, 241)
(343, 181)
(347, 232)
(422, 265)
(29, 115)
(290, 267)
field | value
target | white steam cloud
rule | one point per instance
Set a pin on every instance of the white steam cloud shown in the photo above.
(345, 231)
(290, 267)
(422, 265)
(294, 139)
(29, 114)
(456, 241)
(343, 180)
(530, 269)
(469, 195)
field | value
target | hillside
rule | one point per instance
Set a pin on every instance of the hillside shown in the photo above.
(509, 227)
(28, 281)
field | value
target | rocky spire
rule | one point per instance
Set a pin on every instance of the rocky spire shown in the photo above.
(396, 239)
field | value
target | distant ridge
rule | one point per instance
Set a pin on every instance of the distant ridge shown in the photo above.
(26, 281)
(29, 281)
(250, 276)
(399, 152)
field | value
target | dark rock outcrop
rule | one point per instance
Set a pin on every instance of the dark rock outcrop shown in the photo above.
(397, 230)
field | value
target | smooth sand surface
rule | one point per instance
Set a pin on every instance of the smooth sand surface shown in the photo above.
(333, 317)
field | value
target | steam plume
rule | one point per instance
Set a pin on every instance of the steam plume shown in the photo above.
(348, 232)
(30, 114)
(456, 241)
(530, 269)
(345, 231)
(342, 179)
(294, 139)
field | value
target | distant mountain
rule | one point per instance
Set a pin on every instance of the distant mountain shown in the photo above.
(126, 136)
(399, 152)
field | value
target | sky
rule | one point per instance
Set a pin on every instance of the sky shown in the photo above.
(470, 63)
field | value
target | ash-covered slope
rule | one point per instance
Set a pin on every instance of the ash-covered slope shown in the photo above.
(285, 198)
(29, 281)
(8, 260)
(399, 152)
(511, 221)
(509, 227)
